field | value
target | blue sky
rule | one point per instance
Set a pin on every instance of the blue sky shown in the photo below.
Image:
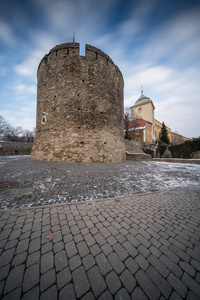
(155, 43)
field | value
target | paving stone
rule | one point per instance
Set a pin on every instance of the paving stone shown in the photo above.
(142, 262)
(88, 262)
(158, 265)
(68, 237)
(47, 280)
(103, 264)
(6, 257)
(89, 239)
(130, 249)
(171, 265)
(78, 238)
(31, 277)
(144, 251)
(107, 249)
(50, 294)
(65, 229)
(169, 254)
(63, 277)
(67, 293)
(155, 251)
(133, 240)
(14, 279)
(15, 295)
(120, 238)
(47, 262)
(113, 282)
(81, 284)
(177, 284)
(131, 265)
(195, 264)
(19, 259)
(82, 249)
(138, 294)
(187, 268)
(46, 247)
(191, 283)
(99, 239)
(159, 281)
(33, 258)
(74, 262)
(104, 231)
(120, 251)
(128, 281)
(122, 294)
(61, 260)
(175, 296)
(88, 296)
(106, 296)
(147, 285)
(116, 263)
(70, 249)
(194, 254)
(95, 250)
(192, 296)
(4, 272)
(143, 240)
(111, 240)
(96, 281)
(32, 294)
(34, 245)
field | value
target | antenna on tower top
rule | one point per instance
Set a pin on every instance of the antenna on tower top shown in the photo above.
(74, 38)
(142, 90)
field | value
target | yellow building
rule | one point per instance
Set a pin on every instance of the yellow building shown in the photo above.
(144, 109)
(140, 131)
(150, 131)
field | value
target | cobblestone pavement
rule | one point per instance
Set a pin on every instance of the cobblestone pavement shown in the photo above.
(144, 246)
(25, 183)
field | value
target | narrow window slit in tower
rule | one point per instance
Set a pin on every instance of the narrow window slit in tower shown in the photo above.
(67, 51)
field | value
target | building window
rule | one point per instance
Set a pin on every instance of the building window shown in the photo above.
(137, 140)
(148, 131)
(137, 132)
(139, 109)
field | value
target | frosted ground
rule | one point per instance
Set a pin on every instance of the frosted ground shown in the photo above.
(26, 183)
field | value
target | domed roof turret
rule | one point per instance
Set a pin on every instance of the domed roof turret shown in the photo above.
(142, 99)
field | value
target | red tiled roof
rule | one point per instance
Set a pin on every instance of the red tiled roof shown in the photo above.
(134, 124)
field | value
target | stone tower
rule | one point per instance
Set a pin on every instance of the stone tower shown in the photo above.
(80, 107)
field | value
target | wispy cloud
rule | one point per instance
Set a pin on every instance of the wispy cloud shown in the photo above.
(6, 33)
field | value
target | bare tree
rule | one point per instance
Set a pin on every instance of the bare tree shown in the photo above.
(15, 134)
(127, 119)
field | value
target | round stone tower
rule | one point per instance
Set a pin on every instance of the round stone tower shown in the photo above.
(79, 107)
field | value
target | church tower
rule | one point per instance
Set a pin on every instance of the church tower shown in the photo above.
(144, 109)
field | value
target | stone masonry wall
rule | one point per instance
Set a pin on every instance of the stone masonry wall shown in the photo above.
(79, 107)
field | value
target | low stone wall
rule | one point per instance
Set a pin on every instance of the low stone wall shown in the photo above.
(178, 160)
(138, 156)
(11, 148)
